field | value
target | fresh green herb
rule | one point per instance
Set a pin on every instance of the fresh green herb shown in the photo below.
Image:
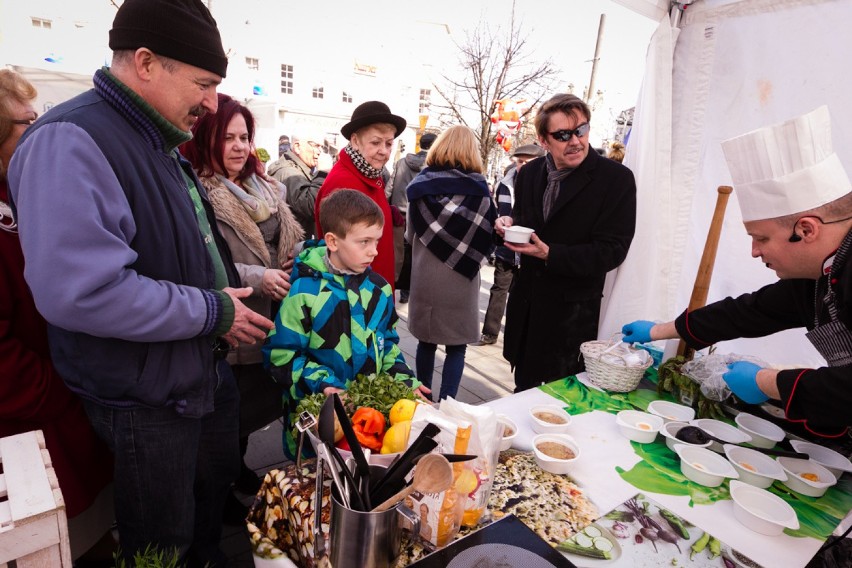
(373, 391)
(376, 391)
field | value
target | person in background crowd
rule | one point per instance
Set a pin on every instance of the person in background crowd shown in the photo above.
(616, 152)
(450, 227)
(136, 283)
(338, 321)
(796, 204)
(302, 170)
(261, 233)
(403, 172)
(506, 262)
(361, 166)
(32, 394)
(283, 144)
(582, 208)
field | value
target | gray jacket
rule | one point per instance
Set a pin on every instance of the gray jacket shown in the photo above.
(302, 188)
(403, 172)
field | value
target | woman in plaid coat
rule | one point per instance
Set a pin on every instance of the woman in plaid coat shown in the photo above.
(450, 224)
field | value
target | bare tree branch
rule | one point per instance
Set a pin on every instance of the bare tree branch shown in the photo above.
(496, 64)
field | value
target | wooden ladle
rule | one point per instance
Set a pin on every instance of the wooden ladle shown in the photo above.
(432, 474)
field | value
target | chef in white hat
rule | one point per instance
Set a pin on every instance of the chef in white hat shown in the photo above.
(796, 202)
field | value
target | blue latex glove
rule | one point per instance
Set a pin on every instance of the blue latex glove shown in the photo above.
(742, 380)
(637, 332)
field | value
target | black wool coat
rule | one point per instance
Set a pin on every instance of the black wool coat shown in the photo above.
(555, 305)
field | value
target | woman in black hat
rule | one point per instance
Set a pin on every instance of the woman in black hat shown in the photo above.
(371, 134)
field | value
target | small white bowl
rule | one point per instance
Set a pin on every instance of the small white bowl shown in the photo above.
(833, 461)
(761, 511)
(670, 411)
(795, 467)
(549, 463)
(517, 234)
(638, 426)
(723, 431)
(764, 470)
(669, 432)
(510, 431)
(703, 466)
(548, 427)
(764, 434)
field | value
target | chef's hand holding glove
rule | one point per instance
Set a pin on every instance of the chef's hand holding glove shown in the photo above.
(742, 380)
(637, 332)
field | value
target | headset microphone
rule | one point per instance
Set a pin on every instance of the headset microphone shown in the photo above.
(795, 237)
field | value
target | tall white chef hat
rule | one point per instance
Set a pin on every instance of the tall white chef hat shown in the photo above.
(786, 168)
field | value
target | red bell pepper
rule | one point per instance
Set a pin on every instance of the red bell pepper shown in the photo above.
(369, 426)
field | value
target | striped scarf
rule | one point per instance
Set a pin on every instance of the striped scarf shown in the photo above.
(452, 214)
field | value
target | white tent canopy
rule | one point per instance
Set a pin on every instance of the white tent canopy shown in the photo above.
(728, 69)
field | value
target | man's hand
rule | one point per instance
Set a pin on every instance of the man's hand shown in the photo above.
(742, 380)
(638, 331)
(249, 326)
(501, 223)
(536, 247)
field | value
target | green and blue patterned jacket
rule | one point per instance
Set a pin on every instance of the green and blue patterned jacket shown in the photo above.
(331, 328)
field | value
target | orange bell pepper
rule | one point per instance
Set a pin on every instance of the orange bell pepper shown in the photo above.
(369, 426)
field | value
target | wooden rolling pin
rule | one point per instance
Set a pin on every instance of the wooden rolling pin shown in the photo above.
(708, 259)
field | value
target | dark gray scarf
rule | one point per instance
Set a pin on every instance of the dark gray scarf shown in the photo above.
(554, 178)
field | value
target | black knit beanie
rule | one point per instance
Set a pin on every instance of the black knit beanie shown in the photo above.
(179, 29)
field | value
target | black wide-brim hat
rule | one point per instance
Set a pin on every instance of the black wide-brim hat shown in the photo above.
(372, 112)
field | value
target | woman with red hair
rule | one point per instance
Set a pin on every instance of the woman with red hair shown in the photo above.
(261, 232)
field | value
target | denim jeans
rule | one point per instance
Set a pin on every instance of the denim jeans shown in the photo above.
(452, 372)
(172, 474)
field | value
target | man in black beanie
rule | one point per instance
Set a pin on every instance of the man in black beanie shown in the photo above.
(126, 264)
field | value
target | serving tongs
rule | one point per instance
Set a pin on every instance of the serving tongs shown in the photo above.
(335, 460)
(305, 422)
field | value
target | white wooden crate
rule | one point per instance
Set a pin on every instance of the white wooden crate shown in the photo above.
(33, 526)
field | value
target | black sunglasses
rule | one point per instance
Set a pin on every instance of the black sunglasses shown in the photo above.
(27, 121)
(566, 134)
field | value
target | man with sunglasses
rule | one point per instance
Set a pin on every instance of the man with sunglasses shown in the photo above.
(582, 208)
(796, 205)
(300, 170)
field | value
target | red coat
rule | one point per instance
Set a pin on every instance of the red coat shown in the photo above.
(33, 396)
(344, 175)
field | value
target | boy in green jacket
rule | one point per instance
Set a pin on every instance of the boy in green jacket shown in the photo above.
(339, 319)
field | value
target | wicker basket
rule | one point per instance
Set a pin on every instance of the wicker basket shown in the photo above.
(610, 376)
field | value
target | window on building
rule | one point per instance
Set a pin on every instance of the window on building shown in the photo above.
(41, 23)
(347, 98)
(425, 100)
(252, 63)
(287, 79)
(318, 92)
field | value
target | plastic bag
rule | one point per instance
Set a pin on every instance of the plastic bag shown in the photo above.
(486, 435)
(707, 371)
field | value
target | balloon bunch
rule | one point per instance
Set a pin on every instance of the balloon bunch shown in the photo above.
(507, 116)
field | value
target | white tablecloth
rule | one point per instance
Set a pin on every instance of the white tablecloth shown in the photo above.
(602, 448)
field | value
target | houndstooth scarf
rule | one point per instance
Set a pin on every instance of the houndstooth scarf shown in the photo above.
(452, 214)
(361, 163)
